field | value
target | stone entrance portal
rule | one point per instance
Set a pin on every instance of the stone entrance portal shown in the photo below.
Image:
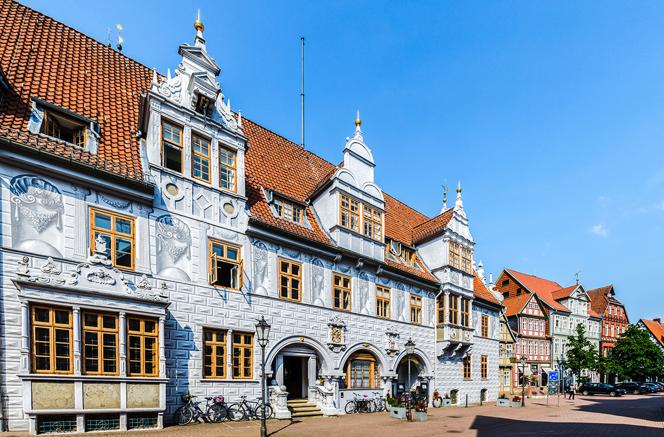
(297, 368)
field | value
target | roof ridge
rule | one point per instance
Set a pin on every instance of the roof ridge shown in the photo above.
(434, 217)
(140, 64)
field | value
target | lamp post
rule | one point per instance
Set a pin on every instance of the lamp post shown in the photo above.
(523, 380)
(410, 350)
(561, 366)
(263, 334)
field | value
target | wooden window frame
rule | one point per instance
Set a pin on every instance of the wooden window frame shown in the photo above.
(50, 122)
(415, 309)
(215, 344)
(349, 210)
(289, 277)
(114, 234)
(100, 331)
(202, 157)
(225, 168)
(468, 368)
(484, 367)
(243, 347)
(383, 302)
(466, 259)
(52, 326)
(465, 312)
(455, 254)
(485, 325)
(441, 310)
(343, 291)
(453, 310)
(288, 210)
(213, 259)
(172, 143)
(374, 220)
(374, 370)
(142, 334)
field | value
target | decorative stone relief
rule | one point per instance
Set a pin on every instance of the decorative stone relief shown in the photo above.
(292, 253)
(391, 346)
(317, 282)
(52, 395)
(37, 207)
(260, 268)
(173, 247)
(142, 395)
(365, 302)
(101, 395)
(337, 331)
(115, 203)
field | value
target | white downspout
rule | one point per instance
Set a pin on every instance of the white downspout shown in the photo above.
(435, 355)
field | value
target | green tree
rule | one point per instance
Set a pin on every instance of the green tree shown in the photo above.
(581, 353)
(635, 356)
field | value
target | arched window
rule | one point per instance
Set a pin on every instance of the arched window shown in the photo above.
(362, 371)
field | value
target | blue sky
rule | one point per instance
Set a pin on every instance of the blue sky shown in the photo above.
(550, 113)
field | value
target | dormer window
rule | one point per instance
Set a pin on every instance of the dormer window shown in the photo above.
(461, 257)
(171, 136)
(352, 210)
(350, 213)
(407, 255)
(373, 223)
(289, 211)
(64, 128)
(200, 159)
(203, 105)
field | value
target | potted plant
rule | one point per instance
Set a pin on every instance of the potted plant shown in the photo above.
(502, 401)
(447, 401)
(397, 410)
(421, 414)
(516, 402)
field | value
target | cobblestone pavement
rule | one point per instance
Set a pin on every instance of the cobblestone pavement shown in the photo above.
(594, 416)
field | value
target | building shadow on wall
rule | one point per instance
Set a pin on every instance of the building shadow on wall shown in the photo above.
(4, 422)
(180, 347)
(487, 426)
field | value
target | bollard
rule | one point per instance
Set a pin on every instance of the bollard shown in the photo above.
(466, 400)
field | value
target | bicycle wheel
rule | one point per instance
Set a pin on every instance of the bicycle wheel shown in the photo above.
(217, 413)
(382, 406)
(258, 412)
(437, 402)
(350, 407)
(236, 412)
(369, 407)
(183, 415)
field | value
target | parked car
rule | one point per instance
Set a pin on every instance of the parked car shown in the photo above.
(654, 387)
(631, 387)
(660, 384)
(646, 387)
(599, 388)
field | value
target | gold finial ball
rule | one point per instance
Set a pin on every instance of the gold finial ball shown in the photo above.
(198, 25)
(458, 190)
(358, 122)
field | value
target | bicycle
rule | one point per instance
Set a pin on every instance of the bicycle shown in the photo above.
(249, 409)
(215, 410)
(380, 403)
(360, 405)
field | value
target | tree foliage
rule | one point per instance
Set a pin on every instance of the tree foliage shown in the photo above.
(636, 357)
(581, 353)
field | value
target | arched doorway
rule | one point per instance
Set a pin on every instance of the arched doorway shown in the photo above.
(410, 373)
(362, 370)
(297, 365)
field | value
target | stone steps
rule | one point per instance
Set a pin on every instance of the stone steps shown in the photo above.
(302, 408)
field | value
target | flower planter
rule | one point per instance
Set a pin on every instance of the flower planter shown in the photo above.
(420, 416)
(503, 403)
(398, 412)
(516, 404)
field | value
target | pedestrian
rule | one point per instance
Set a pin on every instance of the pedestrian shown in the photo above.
(572, 392)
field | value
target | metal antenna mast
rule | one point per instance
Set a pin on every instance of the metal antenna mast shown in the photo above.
(302, 97)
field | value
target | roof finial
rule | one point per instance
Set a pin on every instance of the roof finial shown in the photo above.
(445, 190)
(358, 128)
(459, 201)
(358, 120)
(459, 188)
(198, 25)
(577, 275)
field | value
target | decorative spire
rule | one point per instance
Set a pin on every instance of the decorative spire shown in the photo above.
(239, 118)
(444, 198)
(358, 128)
(459, 201)
(198, 25)
(155, 81)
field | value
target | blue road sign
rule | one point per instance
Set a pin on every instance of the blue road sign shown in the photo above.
(553, 376)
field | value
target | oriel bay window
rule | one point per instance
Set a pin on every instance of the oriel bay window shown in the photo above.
(290, 280)
(227, 169)
(52, 339)
(142, 346)
(415, 309)
(465, 312)
(382, 302)
(118, 233)
(215, 353)
(441, 308)
(341, 292)
(350, 213)
(225, 265)
(171, 152)
(100, 343)
(453, 315)
(373, 223)
(200, 158)
(362, 371)
(243, 355)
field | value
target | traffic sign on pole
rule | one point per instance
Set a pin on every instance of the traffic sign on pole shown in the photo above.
(553, 376)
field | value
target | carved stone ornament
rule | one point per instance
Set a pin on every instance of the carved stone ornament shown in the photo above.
(391, 347)
(337, 341)
(115, 203)
(37, 201)
(173, 237)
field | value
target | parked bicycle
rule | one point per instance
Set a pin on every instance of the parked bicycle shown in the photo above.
(215, 410)
(361, 404)
(380, 403)
(249, 410)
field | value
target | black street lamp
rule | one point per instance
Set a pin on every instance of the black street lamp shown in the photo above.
(523, 380)
(410, 350)
(561, 365)
(263, 334)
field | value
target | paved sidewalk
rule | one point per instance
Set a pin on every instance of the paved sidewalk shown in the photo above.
(593, 416)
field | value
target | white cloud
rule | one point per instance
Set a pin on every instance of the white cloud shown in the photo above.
(600, 230)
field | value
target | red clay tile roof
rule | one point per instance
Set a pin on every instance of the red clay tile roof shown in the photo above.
(540, 286)
(426, 230)
(483, 293)
(656, 329)
(599, 298)
(563, 292)
(514, 305)
(43, 58)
